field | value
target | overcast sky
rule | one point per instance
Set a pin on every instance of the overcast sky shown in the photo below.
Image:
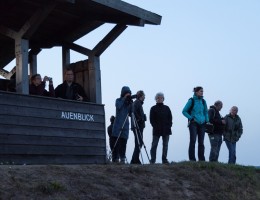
(214, 44)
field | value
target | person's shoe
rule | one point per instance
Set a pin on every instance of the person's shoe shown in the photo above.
(135, 162)
(122, 161)
(165, 162)
(115, 160)
(152, 161)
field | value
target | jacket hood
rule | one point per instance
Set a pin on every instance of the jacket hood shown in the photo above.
(125, 90)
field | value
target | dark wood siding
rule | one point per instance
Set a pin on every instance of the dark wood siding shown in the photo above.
(39, 130)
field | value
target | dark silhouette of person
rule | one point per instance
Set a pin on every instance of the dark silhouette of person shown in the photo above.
(109, 130)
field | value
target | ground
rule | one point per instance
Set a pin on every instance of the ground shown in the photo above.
(184, 180)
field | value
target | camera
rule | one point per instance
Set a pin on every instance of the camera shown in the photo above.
(48, 78)
(133, 96)
(129, 99)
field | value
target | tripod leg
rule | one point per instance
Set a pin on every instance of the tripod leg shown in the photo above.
(114, 146)
(137, 150)
(139, 137)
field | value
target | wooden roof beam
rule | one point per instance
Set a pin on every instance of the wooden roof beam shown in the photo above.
(108, 39)
(31, 26)
(148, 16)
(78, 48)
(8, 32)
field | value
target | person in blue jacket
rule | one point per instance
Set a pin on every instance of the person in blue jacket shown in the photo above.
(120, 131)
(197, 113)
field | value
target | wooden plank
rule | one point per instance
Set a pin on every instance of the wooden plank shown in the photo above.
(48, 141)
(33, 121)
(50, 159)
(50, 150)
(50, 131)
(49, 113)
(49, 103)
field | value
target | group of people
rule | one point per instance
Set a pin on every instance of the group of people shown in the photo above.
(67, 90)
(118, 130)
(228, 128)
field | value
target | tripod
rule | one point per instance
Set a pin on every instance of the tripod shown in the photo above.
(121, 129)
(138, 136)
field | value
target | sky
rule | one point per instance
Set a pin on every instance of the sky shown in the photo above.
(213, 44)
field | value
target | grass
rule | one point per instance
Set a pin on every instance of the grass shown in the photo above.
(50, 187)
(183, 180)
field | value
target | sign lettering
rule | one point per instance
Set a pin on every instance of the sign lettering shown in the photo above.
(77, 116)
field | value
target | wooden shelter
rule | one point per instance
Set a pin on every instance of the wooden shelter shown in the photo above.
(38, 130)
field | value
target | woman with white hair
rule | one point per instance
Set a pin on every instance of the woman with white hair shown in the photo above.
(161, 121)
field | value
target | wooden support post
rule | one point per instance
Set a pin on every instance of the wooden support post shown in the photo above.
(94, 79)
(65, 59)
(33, 64)
(21, 53)
(33, 60)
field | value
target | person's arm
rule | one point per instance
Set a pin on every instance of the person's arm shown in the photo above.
(218, 121)
(58, 91)
(137, 110)
(186, 109)
(81, 92)
(120, 103)
(206, 112)
(51, 90)
(170, 117)
(240, 129)
(211, 114)
(152, 117)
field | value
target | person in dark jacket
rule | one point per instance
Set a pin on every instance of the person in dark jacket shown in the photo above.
(138, 125)
(120, 130)
(161, 121)
(37, 86)
(232, 133)
(216, 137)
(109, 130)
(69, 89)
(197, 113)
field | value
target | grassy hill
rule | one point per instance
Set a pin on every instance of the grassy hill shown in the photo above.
(184, 180)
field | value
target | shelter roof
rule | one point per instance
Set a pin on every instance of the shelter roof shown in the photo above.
(49, 23)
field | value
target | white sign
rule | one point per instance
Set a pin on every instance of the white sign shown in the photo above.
(77, 116)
